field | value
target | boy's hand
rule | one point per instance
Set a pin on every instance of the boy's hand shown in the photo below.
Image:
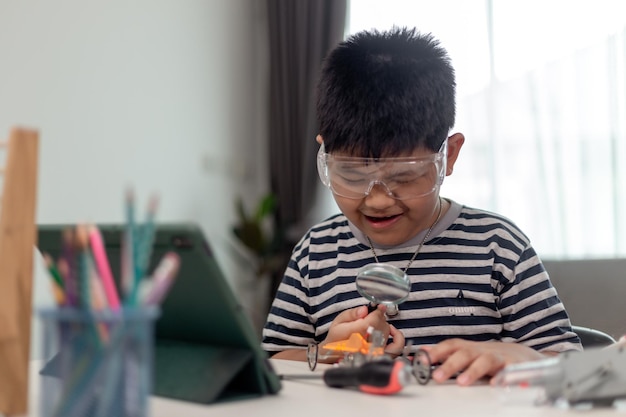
(357, 320)
(354, 320)
(475, 360)
(396, 347)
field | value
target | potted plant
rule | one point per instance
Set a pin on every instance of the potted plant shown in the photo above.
(258, 233)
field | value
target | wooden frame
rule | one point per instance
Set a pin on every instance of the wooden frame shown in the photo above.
(17, 242)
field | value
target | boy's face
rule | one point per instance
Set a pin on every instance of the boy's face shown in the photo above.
(389, 221)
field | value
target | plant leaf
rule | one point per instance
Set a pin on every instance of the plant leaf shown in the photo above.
(266, 206)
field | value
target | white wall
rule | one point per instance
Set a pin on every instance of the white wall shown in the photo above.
(165, 95)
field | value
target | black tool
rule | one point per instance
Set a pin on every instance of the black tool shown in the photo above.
(382, 377)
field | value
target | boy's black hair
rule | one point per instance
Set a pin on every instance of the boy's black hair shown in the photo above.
(386, 94)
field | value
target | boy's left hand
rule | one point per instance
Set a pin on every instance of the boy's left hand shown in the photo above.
(475, 360)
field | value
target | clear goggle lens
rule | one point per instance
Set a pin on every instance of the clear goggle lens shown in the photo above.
(400, 178)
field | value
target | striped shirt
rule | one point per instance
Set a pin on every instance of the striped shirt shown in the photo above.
(477, 277)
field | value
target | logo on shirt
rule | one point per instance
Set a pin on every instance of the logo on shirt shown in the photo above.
(463, 310)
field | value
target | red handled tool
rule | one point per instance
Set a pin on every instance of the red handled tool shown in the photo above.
(381, 377)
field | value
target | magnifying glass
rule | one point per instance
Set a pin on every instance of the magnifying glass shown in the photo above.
(383, 284)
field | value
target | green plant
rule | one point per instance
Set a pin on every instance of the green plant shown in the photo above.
(259, 234)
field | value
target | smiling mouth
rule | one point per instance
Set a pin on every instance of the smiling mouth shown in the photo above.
(381, 219)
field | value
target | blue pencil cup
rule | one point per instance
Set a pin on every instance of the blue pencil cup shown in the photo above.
(97, 364)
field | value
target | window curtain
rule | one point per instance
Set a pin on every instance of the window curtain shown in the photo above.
(548, 149)
(300, 33)
(543, 112)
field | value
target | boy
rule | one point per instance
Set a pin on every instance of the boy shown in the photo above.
(480, 297)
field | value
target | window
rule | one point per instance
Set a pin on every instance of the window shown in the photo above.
(542, 103)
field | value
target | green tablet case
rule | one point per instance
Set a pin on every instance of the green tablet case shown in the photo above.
(206, 349)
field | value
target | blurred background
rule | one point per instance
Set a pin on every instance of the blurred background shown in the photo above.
(206, 102)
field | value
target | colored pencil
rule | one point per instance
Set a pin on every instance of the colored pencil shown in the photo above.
(104, 269)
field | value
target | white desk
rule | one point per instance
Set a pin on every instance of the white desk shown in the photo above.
(310, 397)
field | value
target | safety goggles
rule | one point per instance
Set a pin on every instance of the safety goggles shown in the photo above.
(401, 178)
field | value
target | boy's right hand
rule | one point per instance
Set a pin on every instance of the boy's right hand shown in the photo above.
(354, 320)
(357, 320)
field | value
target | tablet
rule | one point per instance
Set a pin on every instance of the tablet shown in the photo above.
(206, 349)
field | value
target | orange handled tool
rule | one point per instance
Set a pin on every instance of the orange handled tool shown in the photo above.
(382, 377)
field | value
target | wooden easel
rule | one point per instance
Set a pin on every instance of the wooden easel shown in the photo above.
(17, 242)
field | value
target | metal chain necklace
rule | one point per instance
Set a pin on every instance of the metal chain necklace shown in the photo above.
(392, 309)
(430, 229)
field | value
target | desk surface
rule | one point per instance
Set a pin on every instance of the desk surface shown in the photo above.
(311, 397)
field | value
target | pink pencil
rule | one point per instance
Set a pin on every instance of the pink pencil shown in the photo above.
(102, 264)
(163, 278)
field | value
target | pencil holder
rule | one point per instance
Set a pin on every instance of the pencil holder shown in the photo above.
(97, 364)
